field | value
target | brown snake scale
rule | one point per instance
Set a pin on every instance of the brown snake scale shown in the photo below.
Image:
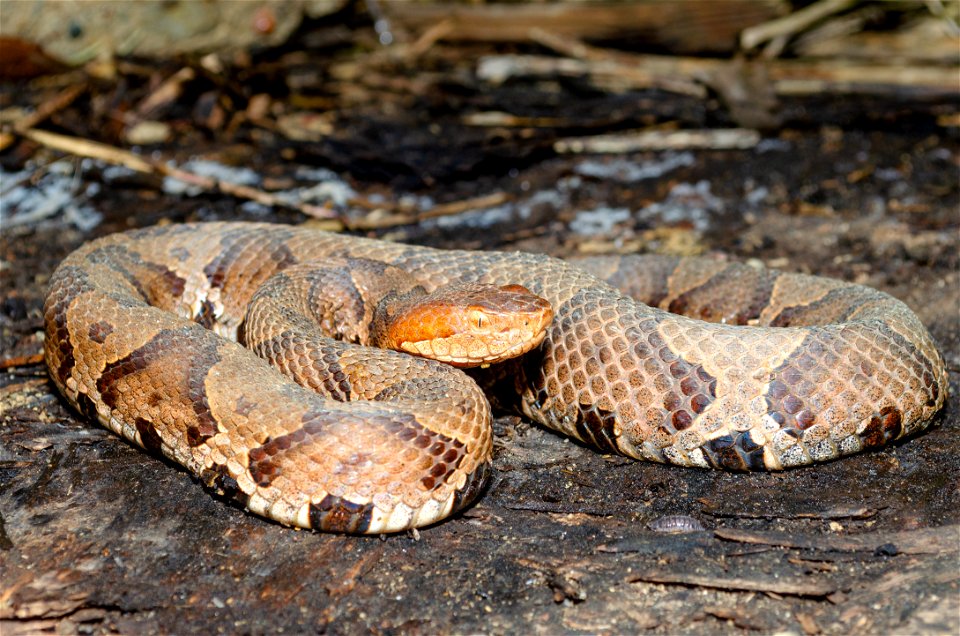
(385, 441)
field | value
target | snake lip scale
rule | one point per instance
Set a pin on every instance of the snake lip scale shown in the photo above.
(773, 370)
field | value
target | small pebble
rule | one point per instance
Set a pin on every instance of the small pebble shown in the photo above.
(887, 549)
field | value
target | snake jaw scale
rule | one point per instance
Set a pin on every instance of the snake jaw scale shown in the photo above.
(303, 516)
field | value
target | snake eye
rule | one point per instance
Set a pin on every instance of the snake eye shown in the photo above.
(476, 318)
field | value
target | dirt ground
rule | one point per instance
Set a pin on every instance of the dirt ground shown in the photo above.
(98, 537)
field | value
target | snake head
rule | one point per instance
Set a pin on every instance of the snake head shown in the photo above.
(468, 325)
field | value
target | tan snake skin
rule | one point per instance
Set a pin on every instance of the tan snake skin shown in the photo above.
(130, 322)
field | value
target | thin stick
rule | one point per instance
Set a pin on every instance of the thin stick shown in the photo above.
(456, 207)
(429, 38)
(21, 361)
(789, 77)
(117, 156)
(58, 102)
(751, 37)
(639, 75)
(733, 138)
(410, 218)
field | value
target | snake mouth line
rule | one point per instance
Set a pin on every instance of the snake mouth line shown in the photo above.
(434, 349)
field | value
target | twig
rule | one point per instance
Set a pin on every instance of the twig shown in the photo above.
(87, 148)
(21, 361)
(117, 156)
(607, 74)
(839, 512)
(576, 49)
(561, 509)
(34, 383)
(733, 138)
(941, 540)
(168, 90)
(409, 218)
(456, 207)
(789, 77)
(753, 584)
(919, 81)
(784, 27)
(496, 118)
(58, 102)
(704, 26)
(429, 37)
(570, 47)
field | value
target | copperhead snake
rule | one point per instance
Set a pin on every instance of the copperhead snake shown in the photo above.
(141, 330)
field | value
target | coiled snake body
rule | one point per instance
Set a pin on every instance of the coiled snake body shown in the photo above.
(139, 331)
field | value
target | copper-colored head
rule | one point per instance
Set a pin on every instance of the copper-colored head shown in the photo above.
(471, 325)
